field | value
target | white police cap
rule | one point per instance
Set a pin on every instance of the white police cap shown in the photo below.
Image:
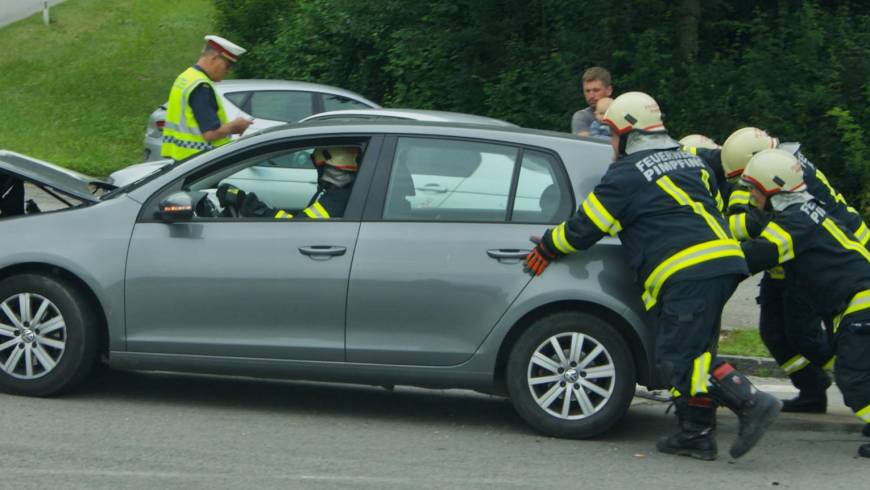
(228, 49)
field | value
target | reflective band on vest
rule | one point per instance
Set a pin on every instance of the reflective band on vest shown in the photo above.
(859, 302)
(844, 240)
(181, 135)
(713, 192)
(776, 235)
(316, 211)
(683, 199)
(738, 198)
(862, 234)
(560, 241)
(795, 364)
(599, 215)
(737, 224)
(696, 254)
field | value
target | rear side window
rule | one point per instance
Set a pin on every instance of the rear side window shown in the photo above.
(540, 198)
(337, 103)
(238, 98)
(283, 106)
(449, 180)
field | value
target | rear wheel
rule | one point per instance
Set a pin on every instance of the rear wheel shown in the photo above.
(47, 336)
(571, 374)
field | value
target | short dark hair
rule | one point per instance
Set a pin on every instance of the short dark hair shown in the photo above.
(597, 73)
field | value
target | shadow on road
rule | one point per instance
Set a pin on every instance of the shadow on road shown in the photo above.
(485, 412)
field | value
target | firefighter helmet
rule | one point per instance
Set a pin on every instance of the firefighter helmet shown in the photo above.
(741, 145)
(341, 157)
(774, 171)
(634, 111)
(698, 141)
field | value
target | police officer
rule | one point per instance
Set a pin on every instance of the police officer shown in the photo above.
(820, 255)
(336, 167)
(789, 327)
(659, 201)
(195, 117)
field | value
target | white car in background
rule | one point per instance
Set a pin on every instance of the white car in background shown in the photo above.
(268, 102)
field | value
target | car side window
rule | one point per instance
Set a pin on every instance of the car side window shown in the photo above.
(333, 102)
(284, 179)
(449, 180)
(286, 106)
(540, 198)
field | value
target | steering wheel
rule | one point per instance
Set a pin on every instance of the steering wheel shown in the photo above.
(205, 208)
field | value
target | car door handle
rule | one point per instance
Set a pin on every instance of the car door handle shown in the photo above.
(437, 188)
(507, 253)
(322, 250)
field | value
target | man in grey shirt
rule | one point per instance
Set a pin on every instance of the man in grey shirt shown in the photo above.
(596, 85)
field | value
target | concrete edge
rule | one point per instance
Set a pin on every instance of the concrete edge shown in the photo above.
(764, 367)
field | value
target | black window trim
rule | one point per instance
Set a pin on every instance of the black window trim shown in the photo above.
(374, 207)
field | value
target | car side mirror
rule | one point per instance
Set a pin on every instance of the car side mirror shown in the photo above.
(176, 207)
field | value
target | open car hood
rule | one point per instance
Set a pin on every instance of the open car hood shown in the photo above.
(79, 186)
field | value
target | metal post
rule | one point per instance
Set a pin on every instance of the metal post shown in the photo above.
(45, 17)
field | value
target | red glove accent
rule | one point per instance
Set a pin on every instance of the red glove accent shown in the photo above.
(539, 258)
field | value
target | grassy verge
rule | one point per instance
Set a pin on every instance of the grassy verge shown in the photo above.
(79, 91)
(742, 343)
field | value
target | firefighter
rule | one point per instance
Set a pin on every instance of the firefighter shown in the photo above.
(336, 168)
(820, 255)
(791, 330)
(659, 200)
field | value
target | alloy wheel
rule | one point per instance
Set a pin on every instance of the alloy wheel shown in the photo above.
(571, 375)
(32, 336)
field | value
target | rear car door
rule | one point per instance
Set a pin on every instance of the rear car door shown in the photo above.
(431, 278)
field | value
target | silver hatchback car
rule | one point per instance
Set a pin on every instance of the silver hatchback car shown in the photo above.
(419, 281)
(269, 102)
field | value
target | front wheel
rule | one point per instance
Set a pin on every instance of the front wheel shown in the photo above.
(47, 336)
(571, 375)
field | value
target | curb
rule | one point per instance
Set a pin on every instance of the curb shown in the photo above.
(763, 367)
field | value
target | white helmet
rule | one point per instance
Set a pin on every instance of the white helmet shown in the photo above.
(634, 111)
(741, 145)
(698, 141)
(341, 157)
(774, 171)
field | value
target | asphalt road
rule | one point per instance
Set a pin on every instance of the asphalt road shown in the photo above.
(155, 430)
(13, 10)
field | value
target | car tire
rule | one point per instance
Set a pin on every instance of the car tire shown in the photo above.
(539, 379)
(48, 338)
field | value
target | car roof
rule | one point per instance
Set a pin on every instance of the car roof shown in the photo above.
(413, 115)
(241, 85)
(406, 126)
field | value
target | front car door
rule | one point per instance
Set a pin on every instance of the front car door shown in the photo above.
(432, 277)
(246, 287)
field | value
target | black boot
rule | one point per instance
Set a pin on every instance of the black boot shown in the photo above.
(697, 436)
(812, 382)
(864, 450)
(756, 410)
(866, 430)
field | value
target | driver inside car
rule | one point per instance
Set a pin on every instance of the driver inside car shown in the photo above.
(336, 167)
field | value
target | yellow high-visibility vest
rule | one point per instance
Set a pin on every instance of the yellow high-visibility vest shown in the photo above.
(181, 135)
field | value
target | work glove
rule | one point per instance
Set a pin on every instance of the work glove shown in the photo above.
(539, 258)
(230, 196)
(252, 207)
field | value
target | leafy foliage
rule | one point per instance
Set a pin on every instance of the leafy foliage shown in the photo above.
(799, 69)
